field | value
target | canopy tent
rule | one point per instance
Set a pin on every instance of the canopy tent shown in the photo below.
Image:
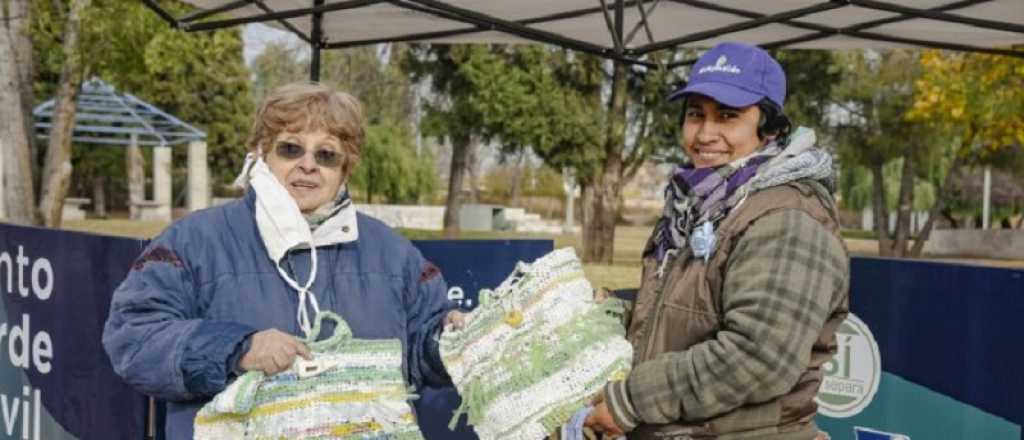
(627, 30)
(105, 117)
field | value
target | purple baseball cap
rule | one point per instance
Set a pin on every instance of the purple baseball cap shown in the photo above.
(737, 75)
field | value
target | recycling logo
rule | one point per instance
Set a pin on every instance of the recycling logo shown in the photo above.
(852, 376)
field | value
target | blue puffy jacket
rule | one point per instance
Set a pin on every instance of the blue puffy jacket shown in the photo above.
(186, 308)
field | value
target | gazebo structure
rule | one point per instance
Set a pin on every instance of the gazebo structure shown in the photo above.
(106, 117)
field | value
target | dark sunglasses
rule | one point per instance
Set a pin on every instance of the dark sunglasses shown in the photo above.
(323, 157)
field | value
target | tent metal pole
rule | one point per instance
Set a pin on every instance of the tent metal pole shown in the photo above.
(939, 16)
(263, 6)
(278, 15)
(317, 43)
(203, 13)
(900, 40)
(445, 10)
(757, 22)
(620, 25)
(643, 23)
(855, 30)
(477, 29)
(152, 4)
(616, 39)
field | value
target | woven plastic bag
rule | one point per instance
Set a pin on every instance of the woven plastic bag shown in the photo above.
(535, 350)
(353, 389)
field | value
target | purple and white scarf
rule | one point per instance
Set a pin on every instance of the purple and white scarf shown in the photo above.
(698, 196)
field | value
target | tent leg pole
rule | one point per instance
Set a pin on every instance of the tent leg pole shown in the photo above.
(316, 43)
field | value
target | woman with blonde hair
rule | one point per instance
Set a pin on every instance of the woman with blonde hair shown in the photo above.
(230, 289)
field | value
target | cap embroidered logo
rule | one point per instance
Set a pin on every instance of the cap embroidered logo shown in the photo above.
(721, 65)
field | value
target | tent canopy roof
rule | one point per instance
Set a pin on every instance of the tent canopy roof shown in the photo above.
(106, 117)
(645, 26)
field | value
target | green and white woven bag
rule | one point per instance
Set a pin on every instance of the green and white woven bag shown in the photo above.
(535, 350)
(352, 389)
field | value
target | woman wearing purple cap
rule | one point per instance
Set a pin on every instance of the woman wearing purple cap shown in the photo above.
(745, 276)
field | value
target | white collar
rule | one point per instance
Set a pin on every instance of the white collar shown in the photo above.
(281, 225)
(283, 228)
(342, 227)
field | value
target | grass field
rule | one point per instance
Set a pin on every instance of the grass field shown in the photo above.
(624, 272)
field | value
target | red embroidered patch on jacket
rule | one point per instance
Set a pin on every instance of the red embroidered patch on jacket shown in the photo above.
(158, 254)
(429, 272)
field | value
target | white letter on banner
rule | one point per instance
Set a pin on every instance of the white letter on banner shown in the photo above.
(42, 352)
(25, 415)
(19, 359)
(6, 258)
(10, 413)
(42, 265)
(22, 262)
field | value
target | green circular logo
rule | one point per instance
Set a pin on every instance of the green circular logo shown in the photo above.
(852, 376)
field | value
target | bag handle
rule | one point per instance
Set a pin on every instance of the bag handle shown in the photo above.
(342, 332)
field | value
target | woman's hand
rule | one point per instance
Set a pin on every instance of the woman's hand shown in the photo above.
(601, 294)
(600, 420)
(273, 351)
(456, 319)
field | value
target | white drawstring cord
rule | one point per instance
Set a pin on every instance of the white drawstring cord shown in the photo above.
(305, 294)
(664, 262)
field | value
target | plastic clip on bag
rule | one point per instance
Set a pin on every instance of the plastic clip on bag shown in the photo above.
(352, 389)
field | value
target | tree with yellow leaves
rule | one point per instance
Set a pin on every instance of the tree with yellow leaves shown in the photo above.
(978, 100)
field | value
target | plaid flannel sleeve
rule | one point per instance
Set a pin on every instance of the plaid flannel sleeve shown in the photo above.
(777, 294)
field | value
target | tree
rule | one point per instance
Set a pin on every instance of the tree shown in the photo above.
(278, 64)
(976, 98)
(200, 78)
(211, 69)
(57, 167)
(15, 132)
(452, 116)
(874, 94)
(551, 101)
(389, 166)
(810, 77)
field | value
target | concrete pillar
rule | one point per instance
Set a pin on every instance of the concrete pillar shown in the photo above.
(570, 187)
(136, 178)
(986, 203)
(162, 182)
(198, 177)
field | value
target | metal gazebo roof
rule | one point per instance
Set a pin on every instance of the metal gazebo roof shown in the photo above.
(106, 117)
(627, 30)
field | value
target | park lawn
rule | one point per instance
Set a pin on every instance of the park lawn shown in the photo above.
(117, 227)
(623, 273)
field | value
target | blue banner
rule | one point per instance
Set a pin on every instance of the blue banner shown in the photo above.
(930, 353)
(56, 381)
(947, 340)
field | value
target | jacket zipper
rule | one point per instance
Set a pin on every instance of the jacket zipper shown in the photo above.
(659, 299)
